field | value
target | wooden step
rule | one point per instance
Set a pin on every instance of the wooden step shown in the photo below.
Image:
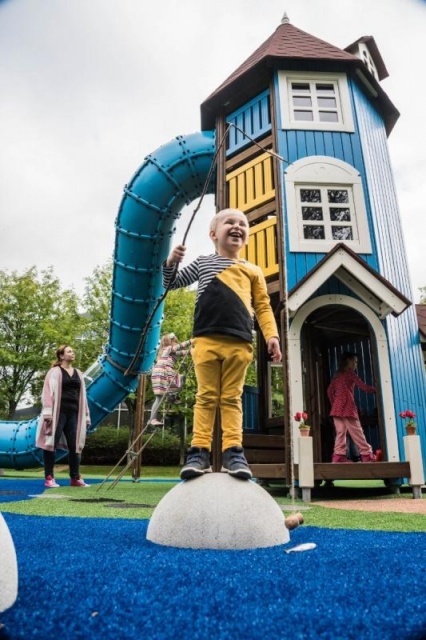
(361, 470)
(331, 471)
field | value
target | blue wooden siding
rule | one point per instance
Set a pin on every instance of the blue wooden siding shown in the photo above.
(408, 375)
(250, 399)
(366, 149)
(295, 145)
(254, 118)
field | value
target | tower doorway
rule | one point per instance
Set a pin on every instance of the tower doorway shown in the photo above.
(327, 333)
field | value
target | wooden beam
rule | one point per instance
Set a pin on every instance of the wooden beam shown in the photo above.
(138, 426)
(268, 471)
(362, 471)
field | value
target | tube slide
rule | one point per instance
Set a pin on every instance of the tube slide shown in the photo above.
(169, 178)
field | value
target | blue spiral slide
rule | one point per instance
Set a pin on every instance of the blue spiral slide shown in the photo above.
(169, 178)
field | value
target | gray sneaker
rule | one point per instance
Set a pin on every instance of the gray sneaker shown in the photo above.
(197, 463)
(234, 462)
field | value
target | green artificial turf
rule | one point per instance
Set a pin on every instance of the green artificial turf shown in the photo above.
(61, 472)
(95, 501)
(98, 501)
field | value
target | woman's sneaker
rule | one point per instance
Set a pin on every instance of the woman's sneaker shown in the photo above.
(50, 483)
(234, 462)
(78, 482)
(197, 463)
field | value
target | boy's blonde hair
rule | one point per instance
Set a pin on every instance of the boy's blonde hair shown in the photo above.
(222, 214)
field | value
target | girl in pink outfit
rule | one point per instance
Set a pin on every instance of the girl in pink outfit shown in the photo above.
(344, 410)
(164, 377)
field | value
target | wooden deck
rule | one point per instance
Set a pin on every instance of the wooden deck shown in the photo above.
(329, 471)
(360, 471)
(266, 456)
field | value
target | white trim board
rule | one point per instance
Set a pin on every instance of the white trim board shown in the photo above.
(370, 289)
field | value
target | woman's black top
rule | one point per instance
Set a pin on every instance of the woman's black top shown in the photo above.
(70, 391)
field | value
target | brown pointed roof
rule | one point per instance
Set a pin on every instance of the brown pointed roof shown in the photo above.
(289, 42)
(286, 48)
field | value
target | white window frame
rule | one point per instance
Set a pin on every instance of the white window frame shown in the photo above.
(343, 103)
(366, 57)
(324, 172)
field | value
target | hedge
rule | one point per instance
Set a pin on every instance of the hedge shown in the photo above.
(108, 444)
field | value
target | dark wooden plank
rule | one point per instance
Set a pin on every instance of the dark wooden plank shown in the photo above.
(268, 471)
(262, 441)
(329, 471)
(264, 455)
(361, 471)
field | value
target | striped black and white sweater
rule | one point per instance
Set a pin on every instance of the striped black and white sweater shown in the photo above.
(230, 293)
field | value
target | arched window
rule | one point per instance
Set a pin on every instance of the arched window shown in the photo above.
(325, 205)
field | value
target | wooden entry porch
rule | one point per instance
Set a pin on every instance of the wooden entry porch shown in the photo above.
(266, 456)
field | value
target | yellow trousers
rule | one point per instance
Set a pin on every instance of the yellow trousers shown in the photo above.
(220, 364)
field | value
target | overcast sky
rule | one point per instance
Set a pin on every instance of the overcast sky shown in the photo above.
(88, 88)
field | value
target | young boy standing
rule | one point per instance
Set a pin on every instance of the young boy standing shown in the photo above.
(230, 290)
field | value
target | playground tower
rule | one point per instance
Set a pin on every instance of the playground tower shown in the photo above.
(305, 126)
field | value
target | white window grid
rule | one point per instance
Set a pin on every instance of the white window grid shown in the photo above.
(335, 230)
(324, 174)
(315, 101)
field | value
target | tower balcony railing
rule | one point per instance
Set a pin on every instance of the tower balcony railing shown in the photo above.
(252, 184)
(262, 247)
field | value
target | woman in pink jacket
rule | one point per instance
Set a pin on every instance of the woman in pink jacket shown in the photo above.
(64, 416)
(344, 410)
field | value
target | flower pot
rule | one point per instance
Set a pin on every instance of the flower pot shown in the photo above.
(410, 429)
(304, 433)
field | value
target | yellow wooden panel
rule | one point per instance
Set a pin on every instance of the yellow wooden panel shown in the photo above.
(270, 245)
(251, 250)
(250, 186)
(232, 191)
(241, 191)
(261, 249)
(255, 183)
(267, 176)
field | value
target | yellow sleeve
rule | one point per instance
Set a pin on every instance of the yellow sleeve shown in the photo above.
(262, 306)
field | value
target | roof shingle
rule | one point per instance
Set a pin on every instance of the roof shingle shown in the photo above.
(286, 47)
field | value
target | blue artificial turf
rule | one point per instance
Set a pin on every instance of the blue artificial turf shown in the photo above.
(12, 490)
(83, 578)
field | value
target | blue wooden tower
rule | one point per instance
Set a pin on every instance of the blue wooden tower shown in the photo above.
(306, 158)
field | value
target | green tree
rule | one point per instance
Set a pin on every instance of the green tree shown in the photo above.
(36, 315)
(96, 315)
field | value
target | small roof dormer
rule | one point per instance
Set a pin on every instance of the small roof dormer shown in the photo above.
(366, 49)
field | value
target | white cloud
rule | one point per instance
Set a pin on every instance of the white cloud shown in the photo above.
(90, 88)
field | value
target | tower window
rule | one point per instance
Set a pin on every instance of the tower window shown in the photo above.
(315, 101)
(331, 218)
(325, 205)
